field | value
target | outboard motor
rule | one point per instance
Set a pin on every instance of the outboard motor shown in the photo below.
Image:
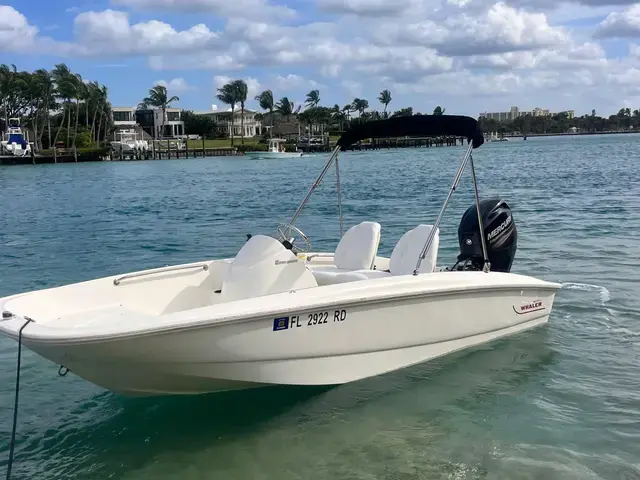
(500, 235)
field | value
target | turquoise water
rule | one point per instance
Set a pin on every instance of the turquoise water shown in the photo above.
(561, 402)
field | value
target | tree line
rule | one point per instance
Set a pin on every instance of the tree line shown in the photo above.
(62, 108)
(528, 124)
(57, 106)
(315, 116)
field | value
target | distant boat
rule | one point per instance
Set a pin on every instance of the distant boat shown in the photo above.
(274, 150)
(15, 143)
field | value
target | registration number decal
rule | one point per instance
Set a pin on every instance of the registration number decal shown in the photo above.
(323, 317)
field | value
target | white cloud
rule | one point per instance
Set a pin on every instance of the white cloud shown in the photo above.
(175, 85)
(110, 33)
(625, 24)
(423, 50)
(295, 82)
(234, 8)
(500, 29)
(196, 61)
(16, 34)
(373, 8)
(572, 56)
(352, 87)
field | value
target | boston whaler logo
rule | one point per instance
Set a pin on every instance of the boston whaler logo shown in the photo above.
(534, 306)
(500, 228)
(284, 262)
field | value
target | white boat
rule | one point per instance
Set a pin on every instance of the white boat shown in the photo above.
(279, 313)
(275, 150)
(128, 142)
(15, 142)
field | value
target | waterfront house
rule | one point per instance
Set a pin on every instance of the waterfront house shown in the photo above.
(222, 118)
(150, 121)
(127, 126)
(123, 116)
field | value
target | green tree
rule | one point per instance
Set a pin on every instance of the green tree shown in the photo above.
(403, 112)
(242, 90)
(287, 108)
(360, 105)
(265, 100)
(313, 98)
(385, 99)
(228, 94)
(159, 98)
(194, 124)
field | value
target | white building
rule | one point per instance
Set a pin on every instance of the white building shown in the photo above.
(252, 126)
(123, 116)
(173, 124)
(150, 120)
(515, 112)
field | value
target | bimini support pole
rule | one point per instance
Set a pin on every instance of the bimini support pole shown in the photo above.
(436, 225)
(334, 155)
(486, 267)
(339, 199)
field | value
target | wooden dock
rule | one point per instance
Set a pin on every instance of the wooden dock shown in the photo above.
(408, 142)
(67, 156)
(165, 152)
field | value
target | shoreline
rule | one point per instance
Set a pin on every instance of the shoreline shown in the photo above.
(572, 134)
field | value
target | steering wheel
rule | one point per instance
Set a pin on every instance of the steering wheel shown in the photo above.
(284, 235)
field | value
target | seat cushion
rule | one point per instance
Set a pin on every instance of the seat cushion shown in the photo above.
(325, 275)
(406, 252)
(358, 247)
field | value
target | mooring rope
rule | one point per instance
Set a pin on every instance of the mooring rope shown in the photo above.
(15, 406)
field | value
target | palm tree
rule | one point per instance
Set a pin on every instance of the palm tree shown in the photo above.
(105, 108)
(286, 108)
(46, 88)
(313, 98)
(312, 101)
(242, 90)
(385, 99)
(227, 94)
(360, 105)
(65, 90)
(159, 98)
(347, 109)
(80, 93)
(93, 104)
(337, 115)
(8, 79)
(35, 94)
(265, 99)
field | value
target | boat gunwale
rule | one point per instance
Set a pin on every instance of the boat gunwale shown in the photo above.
(204, 321)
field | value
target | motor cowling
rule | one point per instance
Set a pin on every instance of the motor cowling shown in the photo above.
(500, 234)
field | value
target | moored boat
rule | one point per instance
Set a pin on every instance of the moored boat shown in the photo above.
(281, 313)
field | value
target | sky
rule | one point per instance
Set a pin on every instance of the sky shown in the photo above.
(469, 56)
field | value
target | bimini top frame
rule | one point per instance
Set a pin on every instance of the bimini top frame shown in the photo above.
(416, 125)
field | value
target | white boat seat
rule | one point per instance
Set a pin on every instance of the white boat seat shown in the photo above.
(403, 258)
(356, 250)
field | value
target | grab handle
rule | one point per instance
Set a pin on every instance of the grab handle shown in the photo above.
(116, 281)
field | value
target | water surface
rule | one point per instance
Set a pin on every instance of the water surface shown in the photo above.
(558, 402)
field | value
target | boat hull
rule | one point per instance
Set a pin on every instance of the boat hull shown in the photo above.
(325, 345)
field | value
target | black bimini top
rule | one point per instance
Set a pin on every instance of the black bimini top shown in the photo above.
(416, 125)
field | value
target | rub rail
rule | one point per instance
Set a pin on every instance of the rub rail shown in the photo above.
(203, 266)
